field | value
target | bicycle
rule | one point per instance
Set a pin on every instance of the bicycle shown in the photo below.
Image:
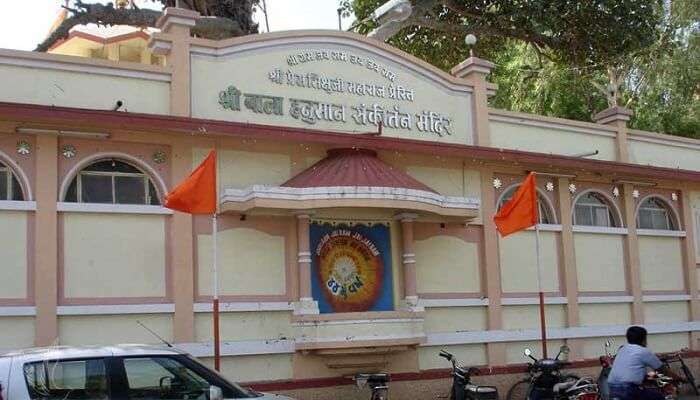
(378, 384)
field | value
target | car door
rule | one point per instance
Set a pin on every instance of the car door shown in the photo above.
(64, 379)
(166, 377)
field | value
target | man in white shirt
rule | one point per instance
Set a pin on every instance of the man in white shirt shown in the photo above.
(630, 367)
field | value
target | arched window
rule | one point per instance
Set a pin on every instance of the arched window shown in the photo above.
(112, 182)
(546, 214)
(10, 189)
(654, 213)
(593, 209)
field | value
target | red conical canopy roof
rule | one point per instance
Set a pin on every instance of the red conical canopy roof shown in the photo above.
(354, 167)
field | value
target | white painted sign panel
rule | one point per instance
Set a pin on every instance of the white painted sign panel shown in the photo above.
(335, 83)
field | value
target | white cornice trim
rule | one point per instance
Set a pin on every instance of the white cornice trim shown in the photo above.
(605, 299)
(650, 137)
(11, 205)
(348, 192)
(438, 303)
(659, 232)
(475, 337)
(121, 309)
(527, 301)
(653, 298)
(533, 121)
(239, 348)
(359, 338)
(17, 311)
(59, 65)
(112, 208)
(360, 322)
(547, 228)
(606, 230)
(245, 306)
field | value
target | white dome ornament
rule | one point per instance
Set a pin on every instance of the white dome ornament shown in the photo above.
(616, 191)
(572, 188)
(635, 193)
(497, 183)
(23, 147)
(549, 186)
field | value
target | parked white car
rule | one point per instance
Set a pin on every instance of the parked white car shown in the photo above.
(123, 372)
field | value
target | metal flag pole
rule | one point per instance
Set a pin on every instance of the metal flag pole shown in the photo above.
(543, 323)
(217, 341)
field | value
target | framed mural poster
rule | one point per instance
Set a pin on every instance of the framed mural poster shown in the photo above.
(351, 267)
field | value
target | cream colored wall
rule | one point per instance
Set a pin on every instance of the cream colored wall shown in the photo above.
(600, 262)
(661, 263)
(267, 367)
(251, 262)
(662, 312)
(528, 317)
(448, 181)
(514, 350)
(16, 333)
(668, 342)
(447, 264)
(240, 169)
(244, 325)
(594, 347)
(605, 314)
(83, 90)
(249, 70)
(114, 255)
(13, 253)
(550, 140)
(695, 205)
(453, 319)
(663, 155)
(111, 329)
(519, 262)
(340, 330)
(469, 355)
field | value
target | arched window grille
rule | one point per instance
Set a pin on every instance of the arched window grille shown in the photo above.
(545, 213)
(112, 182)
(593, 209)
(654, 213)
(10, 189)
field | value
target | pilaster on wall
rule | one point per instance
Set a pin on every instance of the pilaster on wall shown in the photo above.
(182, 253)
(496, 352)
(46, 242)
(305, 304)
(617, 117)
(410, 301)
(690, 266)
(632, 255)
(174, 43)
(569, 263)
(475, 70)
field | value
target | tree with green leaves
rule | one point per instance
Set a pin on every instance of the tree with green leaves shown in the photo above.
(568, 58)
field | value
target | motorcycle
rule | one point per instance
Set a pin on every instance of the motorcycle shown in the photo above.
(666, 385)
(546, 381)
(606, 362)
(677, 358)
(462, 388)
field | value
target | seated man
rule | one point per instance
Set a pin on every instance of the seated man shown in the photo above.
(630, 368)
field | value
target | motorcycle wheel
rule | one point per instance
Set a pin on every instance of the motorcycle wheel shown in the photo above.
(519, 391)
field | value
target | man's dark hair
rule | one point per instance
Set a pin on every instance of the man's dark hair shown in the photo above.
(636, 335)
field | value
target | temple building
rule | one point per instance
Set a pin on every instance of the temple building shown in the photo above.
(357, 187)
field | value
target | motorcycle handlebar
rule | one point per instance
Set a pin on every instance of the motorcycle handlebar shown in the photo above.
(446, 355)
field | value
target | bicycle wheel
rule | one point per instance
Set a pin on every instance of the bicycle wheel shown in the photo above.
(519, 391)
(691, 379)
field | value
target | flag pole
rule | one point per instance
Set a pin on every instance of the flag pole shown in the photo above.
(543, 323)
(217, 342)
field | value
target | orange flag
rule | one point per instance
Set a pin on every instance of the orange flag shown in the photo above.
(520, 212)
(197, 193)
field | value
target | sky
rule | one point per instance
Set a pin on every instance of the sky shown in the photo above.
(25, 23)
